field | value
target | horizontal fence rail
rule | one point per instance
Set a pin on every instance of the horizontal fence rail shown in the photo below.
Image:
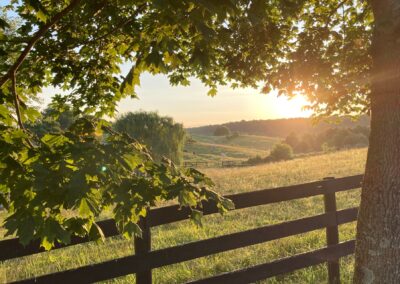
(281, 266)
(144, 260)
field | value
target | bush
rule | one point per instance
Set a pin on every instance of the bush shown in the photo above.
(232, 136)
(256, 160)
(222, 131)
(355, 140)
(280, 152)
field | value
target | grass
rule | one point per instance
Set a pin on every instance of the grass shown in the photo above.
(218, 148)
(246, 141)
(231, 180)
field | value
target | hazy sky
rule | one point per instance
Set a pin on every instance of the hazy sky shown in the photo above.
(192, 107)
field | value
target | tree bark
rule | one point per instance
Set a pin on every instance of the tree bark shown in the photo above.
(378, 226)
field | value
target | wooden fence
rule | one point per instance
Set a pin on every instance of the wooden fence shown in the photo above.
(145, 259)
(216, 164)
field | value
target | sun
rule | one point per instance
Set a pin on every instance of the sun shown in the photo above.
(292, 107)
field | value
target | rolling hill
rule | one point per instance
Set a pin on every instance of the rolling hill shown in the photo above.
(281, 127)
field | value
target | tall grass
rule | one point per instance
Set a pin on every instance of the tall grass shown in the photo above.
(227, 181)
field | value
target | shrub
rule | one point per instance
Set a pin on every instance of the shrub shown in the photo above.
(233, 136)
(280, 152)
(256, 160)
(222, 131)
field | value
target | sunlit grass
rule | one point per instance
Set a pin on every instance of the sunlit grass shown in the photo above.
(220, 148)
(227, 181)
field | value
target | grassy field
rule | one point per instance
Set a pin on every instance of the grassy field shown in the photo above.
(219, 148)
(228, 181)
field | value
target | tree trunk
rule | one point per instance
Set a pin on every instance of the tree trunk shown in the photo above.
(378, 226)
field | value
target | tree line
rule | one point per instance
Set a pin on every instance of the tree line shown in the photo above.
(333, 138)
(281, 127)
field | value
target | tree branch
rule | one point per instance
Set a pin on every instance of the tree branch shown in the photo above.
(341, 3)
(17, 106)
(11, 72)
(119, 26)
(16, 101)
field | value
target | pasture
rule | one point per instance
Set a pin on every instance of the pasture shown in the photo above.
(232, 180)
(220, 148)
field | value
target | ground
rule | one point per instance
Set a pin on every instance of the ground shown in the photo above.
(232, 180)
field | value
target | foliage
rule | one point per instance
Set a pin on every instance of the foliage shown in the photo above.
(161, 135)
(292, 139)
(233, 136)
(83, 171)
(283, 127)
(331, 138)
(51, 122)
(79, 46)
(222, 131)
(280, 152)
(255, 160)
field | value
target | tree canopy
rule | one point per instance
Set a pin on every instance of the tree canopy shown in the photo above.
(162, 136)
(222, 131)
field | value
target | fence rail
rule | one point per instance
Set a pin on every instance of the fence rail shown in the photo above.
(222, 164)
(145, 260)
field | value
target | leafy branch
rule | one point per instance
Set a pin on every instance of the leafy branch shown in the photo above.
(42, 31)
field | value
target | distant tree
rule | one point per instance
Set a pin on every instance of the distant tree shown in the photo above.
(233, 136)
(303, 147)
(256, 160)
(160, 134)
(222, 131)
(355, 140)
(363, 130)
(292, 139)
(280, 152)
(52, 121)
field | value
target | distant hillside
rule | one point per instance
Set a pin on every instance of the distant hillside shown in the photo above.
(280, 127)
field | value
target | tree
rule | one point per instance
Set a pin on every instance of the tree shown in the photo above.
(342, 54)
(280, 152)
(222, 131)
(355, 140)
(161, 135)
(78, 46)
(51, 122)
(292, 139)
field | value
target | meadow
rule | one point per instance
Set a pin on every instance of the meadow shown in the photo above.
(219, 148)
(228, 180)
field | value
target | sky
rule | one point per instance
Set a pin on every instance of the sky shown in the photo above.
(193, 107)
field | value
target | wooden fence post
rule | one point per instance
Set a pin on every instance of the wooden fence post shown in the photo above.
(332, 234)
(143, 246)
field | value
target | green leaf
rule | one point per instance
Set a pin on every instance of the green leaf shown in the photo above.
(26, 230)
(131, 80)
(37, 6)
(196, 216)
(84, 209)
(96, 233)
(212, 92)
(54, 139)
(131, 229)
(227, 204)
